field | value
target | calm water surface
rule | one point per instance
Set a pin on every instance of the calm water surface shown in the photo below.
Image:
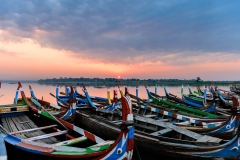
(43, 90)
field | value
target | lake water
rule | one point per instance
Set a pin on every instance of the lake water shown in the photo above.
(43, 90)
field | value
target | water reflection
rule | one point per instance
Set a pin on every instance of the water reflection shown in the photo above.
(44, 90)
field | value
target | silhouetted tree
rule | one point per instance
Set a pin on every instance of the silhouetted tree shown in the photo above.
(198, 79)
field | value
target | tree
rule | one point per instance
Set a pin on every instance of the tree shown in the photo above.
(198, 79)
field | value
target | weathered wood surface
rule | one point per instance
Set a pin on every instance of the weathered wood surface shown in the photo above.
(15, 125)
(180, 130)
(44, 136)
(33, 129)
(146, 122)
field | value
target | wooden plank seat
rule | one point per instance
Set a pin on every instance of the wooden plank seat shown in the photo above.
(24, 122)
(149, 115)
(33, 129)
(47, 135)
(117, 122)
(162, 120)
(161, 132)
(54, 112)
(186, 123)
(55, 106)
(13, 124)
(71, 141)
(205, 139)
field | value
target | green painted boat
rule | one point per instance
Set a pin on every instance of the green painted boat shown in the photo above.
(180, 108)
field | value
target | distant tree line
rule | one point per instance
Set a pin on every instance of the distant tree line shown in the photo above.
(96, 80)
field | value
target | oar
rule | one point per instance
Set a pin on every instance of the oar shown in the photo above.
(55, 118)
(39, 105)
(3, 129)
(1, 95)
(60, 100)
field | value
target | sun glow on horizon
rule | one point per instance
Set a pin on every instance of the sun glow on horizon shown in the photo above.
(43, 62)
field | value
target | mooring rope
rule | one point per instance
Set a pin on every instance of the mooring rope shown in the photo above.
(137, 151)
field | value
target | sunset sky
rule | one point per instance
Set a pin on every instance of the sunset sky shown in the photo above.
(127, 38)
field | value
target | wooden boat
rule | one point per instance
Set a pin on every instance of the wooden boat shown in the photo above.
(208, 97)
(194, 100)
(220, 128)
(235, 89)
(66, 111)
(16, 107)
(147, 111)
(94, 98)
(63, 100)
(162, 139)
(223, 110)
(224, 129)
(114, 104)
(226, 94)
(67, 91)
(3, 151)
(81, 98)
(160, 102)
(208, 126)
(25, 132)
(174, 98)
(201, 92)
(225, 103)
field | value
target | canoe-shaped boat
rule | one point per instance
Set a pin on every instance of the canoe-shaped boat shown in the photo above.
(226, 104)
(3, 151)
(180, 108)
(174, 98)
(142, 112)
(235, 88)
(63, 100)
(67, 91)
(224, 128)
(155, 139)
(81, 98)
(196, 100)
(209, 97)
(159, 115)
(28, 132)
(16, 107)
(221, 108)
(66, 111)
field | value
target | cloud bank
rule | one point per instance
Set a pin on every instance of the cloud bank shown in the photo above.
(174, 32)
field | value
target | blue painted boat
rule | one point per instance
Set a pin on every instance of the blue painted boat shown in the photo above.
(114, 106)
(183, 109)
(3, 151)
(193, 100)
(59, 137)
(160, 137)
(64, 100)
(209, 97)
(174, 98)
(66, 112)
(226, 103)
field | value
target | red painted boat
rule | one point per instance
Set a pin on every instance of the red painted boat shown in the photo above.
(38, 132)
